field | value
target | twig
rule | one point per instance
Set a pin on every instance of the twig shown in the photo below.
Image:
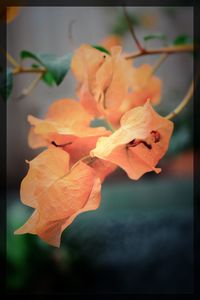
(158, 63)
(70, 35)
(20, 70)
(183, 103)
(130, 25)
(28, 90)
(169, 50)
(10, 58)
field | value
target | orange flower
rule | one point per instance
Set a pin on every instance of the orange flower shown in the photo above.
(139, 143)
(66, 127)
(104, 79)
(107, 91)
(81, 148)
(85, 63)
(113, 79)
(144, 87)
(110, 41)
(65, 120)
(9, 13)
(57, 194)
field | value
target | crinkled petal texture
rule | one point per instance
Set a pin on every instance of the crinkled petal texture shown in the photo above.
(57, 194)
(65, 120)
(85, 63)
(112, 81)
(139, 143)
(104, 79)
(80, 148)
(144, 87)
(109, 85)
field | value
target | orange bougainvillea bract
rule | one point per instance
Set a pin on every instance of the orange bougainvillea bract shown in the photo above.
(57, 194)
(65, 179)
(138, 144)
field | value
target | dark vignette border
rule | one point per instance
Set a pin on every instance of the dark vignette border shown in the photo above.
(2, 165)
(196, 119)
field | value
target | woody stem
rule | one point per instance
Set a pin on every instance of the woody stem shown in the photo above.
(21, 70)
(10, 58)
(158, 63)
(183, 103)
(130, 25)
(29, 89)
(167, 50)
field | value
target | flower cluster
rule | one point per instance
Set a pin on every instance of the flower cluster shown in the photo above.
(65, 179)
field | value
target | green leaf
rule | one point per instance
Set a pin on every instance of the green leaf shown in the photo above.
(47, 77)
(100, 48)
(6, 83)
(182, 39)
(155, 36)
(58, 67)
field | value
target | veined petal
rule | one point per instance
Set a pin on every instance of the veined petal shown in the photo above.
(43, 171)
(139, 143)
(62, 197)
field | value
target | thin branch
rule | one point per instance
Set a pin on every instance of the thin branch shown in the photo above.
(158, 63)
(169, 50)
(183, 103)
(70, 34)
(28, 90)
(10, 58)
(21, 70)
(130, 25)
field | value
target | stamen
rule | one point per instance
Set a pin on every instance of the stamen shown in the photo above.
(136, 142)
(61, 145)
(156, 136)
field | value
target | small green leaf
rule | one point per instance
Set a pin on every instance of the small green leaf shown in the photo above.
(58, 67)
(155, 36)
(100, 48)
(47, 77)
(6, 83)
(182, 40)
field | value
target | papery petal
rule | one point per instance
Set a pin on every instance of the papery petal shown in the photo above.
(140, 75)
(113, 80)
(66, 120)
(103, 168)
(81, 147)
(57, 194)
(68, 112)
(85, 63)
(43, 171)
(88, 101)
(110, 41)
(51, 231)
(136, 124)
(30, 225)
(35, 140)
